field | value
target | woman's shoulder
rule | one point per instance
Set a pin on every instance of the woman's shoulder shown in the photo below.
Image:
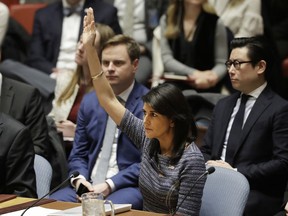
(193, 158)
(192, 151)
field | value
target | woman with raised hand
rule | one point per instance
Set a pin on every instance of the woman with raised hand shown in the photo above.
(171, 162)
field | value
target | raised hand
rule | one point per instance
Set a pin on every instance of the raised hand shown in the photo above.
(89, 29)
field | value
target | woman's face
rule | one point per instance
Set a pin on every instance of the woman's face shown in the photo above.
(156, 125)
(80, 57)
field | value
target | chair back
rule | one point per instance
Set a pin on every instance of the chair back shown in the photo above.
(24, 14)
(225, 193)
(43, 171)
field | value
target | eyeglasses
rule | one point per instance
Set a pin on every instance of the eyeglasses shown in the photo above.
(235, 63)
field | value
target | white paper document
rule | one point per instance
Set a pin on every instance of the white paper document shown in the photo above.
(34, 211)
(77, 211)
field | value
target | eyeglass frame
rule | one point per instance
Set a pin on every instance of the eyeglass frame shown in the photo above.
(234, 63)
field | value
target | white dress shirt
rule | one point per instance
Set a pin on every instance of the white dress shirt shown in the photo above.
(69, 40)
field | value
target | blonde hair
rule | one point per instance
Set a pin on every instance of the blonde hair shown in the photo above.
(106, 33)
(174, 14)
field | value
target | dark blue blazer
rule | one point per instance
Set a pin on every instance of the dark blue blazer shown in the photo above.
(91, 124)
(47, 30)
(262, 153)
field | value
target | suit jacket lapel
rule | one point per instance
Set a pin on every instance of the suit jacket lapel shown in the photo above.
(7, 96)
(262, 102)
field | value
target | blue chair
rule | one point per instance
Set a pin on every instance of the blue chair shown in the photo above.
(225, 193)
(43, 171)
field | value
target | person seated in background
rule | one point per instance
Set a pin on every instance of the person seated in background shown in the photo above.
(242, 17)
(137, 19)
(23, 103)
(17, 174)
(56, 31)
(254, 143)
(4, 17)
(71, 87)
(194, 44)
(170, 159)
(108, 166)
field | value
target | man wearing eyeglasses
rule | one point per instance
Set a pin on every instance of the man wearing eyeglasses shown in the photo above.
(249, 129)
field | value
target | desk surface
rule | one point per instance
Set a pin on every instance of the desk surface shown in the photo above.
(66, 205)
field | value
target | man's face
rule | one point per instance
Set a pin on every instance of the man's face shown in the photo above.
(118, 68)
(246, 77)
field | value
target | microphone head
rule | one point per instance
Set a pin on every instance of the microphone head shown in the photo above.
(74, 174)
(210, 170)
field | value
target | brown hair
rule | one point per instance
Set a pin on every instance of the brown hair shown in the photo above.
(132, 46)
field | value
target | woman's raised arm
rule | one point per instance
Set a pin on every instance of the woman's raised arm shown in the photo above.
(101, 85)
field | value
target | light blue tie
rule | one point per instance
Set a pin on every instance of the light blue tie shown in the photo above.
(108, 141)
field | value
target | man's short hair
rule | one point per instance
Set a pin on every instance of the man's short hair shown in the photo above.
(133, 48)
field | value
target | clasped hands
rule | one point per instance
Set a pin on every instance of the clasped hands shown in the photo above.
(203, 79)
(103, 188)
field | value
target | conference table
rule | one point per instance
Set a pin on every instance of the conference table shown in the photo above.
(18, 203)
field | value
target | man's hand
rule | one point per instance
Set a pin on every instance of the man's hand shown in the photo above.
(102, 188)
(67, 128)
(87, 184)
(286, 208)
(219, 163)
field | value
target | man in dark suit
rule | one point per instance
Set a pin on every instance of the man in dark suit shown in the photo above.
(17, 174)
(260, 148)
(24, 103)
(56, 32)
(120, 58)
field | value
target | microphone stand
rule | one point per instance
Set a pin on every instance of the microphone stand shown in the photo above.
(210, 170)
(73, 175)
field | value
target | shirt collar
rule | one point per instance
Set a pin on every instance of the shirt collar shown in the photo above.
(125, 94)
(255, 93)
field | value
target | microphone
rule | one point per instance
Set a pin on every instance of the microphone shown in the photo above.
(209, 171)
(73, 175)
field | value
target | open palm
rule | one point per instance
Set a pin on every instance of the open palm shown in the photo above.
(89, 29)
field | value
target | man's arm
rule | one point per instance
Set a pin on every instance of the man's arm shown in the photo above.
(20, 176)
(35, 119)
